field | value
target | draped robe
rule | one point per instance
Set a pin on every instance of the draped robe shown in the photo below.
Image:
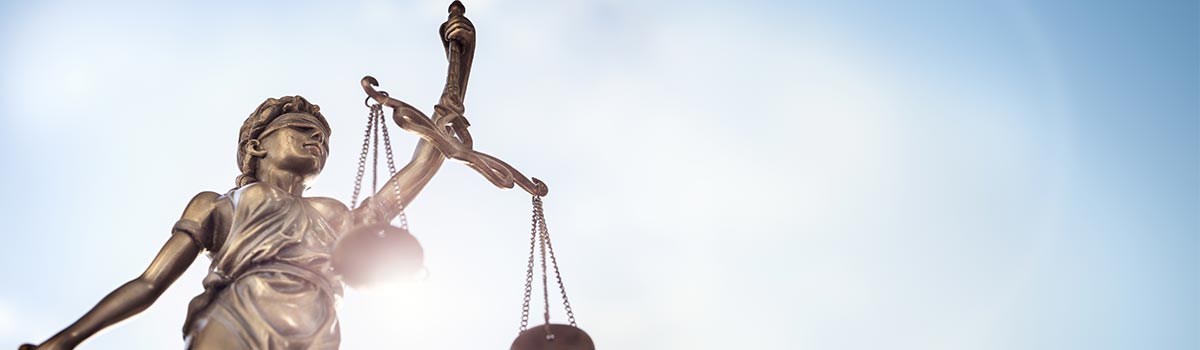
(271, 284)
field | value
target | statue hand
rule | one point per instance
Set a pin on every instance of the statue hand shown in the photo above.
(458, 28)
(460, 31)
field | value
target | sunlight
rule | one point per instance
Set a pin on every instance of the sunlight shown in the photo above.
(402, 315)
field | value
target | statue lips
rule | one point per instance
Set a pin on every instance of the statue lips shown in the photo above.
(313, 148)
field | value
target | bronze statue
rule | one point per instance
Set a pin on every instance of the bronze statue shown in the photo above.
(271, 284)
(275, 276)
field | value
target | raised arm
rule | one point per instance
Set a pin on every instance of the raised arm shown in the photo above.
(136, 295)
(458, 38)
(400, 190)
(447, 130)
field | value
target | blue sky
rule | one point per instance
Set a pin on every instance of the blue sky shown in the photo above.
(769, 175)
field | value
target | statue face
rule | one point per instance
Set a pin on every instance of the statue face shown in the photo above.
(295, 142)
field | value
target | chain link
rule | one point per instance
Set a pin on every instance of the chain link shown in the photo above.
(542, 252)
(391, 162)
(554, 261)
(362, 158)
(533, 236)
(387, 146)
(376, 125)
(375, 150)
(540, 238)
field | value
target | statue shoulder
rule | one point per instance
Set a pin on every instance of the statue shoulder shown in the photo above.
(200, 219)
(202, 204)
(331, 209)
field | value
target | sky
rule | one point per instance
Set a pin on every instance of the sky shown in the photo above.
(723, 175)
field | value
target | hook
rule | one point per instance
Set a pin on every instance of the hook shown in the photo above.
(367, 102)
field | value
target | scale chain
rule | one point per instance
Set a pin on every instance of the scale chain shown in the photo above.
(533, 236)
(376, 125)
(545, 232)
(375, 150)
(545, 290)
(362, 158)
(539, 244)
(391, 162)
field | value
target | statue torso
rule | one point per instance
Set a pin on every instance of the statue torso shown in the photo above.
(271, 269)
(266, 225)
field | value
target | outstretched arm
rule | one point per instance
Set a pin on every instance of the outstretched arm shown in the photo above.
(136, 295)
(458, 37)
(400, 190)
(447, 130)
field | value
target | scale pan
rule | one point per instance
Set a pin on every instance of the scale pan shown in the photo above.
(565, 338)
(374, 254)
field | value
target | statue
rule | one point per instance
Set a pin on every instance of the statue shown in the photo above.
(275, 274)
(271, 284)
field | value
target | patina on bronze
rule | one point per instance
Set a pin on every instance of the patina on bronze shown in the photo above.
(272, 284)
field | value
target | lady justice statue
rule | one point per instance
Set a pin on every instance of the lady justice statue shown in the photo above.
(273, 283)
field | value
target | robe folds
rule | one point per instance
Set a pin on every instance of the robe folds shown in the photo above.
(271, 284)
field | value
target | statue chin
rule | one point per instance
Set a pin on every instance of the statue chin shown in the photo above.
(378, 254)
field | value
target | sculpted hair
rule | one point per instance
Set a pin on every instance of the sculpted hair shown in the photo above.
(254, 125)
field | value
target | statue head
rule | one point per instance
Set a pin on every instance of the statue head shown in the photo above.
(288, 133)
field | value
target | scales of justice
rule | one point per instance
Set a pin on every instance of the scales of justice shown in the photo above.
(280, 260)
